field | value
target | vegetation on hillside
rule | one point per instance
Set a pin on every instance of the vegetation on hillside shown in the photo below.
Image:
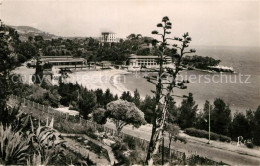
(199, 62)
(20, 132)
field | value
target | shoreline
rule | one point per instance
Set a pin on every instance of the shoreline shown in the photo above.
(112, 80)
(118, 81)
(215, 69)
(101, 79)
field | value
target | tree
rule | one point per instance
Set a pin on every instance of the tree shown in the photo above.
(148, 106)
(99, 95)
(250, 116)
(38, 38)
(166, 81)
(240, 126)
(188, 109)
(172, 111)
(173, 130)
(123, 113)
(30, 38)
(126, 95)
(200, 62)
(202, 119)
(27, 49)
(136, 98)
(8, 61)
(220, 117)
(100, 116)
(87, 102)
(108, 97)
(256, 131)
(38, 76)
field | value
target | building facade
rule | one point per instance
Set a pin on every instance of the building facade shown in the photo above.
(108, 37)
(64, 61)
(149, 61)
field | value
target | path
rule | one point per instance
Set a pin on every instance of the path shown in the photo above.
(77, 147)
(109, 150)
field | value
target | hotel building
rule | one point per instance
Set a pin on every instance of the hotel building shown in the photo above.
(148, 61)
(108, 37)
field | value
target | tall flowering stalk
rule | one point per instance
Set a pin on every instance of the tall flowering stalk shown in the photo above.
(166, 81)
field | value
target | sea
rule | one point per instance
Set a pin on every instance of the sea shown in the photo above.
(240, 90)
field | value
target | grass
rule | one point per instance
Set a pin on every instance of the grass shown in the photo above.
(93, 147)
(71, 125)
(137, 153)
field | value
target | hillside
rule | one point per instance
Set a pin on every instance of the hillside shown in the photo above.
(26, 31)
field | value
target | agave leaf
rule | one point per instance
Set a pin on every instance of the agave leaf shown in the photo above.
(38, 131)
(31, 124)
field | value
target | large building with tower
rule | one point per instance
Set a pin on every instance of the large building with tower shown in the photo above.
(108, 37)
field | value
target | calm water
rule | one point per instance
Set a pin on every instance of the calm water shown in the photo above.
(240, 96)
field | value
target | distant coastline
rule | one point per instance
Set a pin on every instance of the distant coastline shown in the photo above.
(215, 69)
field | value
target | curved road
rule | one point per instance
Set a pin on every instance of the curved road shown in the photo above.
(229, 154)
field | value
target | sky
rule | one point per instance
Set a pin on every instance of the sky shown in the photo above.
(209, 22)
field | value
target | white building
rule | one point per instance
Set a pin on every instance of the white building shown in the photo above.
(149, 61)
(64, 61)
(108, 37)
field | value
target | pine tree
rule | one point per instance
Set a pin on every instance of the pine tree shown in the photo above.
(8, 61)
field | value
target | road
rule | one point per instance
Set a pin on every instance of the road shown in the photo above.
(217, 151)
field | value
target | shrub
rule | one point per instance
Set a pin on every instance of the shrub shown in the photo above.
(92, 135)
(98, 149)
(130, 142)
(137, 157)
(224, 138)
(118, 149)
(213, 136)
(95, 148)
(204, 134)
(196, 132)
(100, 129)
(75, 158)
(198, 160)
(119, 146)
(250, 145)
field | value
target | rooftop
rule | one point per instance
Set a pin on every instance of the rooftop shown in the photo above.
(51, 57)
(143, 56)
(108, 33)
(62, 59)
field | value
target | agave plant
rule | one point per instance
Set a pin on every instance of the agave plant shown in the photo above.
(35, 160)
(46, 143)
(13, 146)
(15, 117)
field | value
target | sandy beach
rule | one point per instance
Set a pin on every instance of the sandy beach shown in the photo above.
(113, 79)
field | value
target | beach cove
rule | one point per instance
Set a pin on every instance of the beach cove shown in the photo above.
(239, 96)
(113, 80)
